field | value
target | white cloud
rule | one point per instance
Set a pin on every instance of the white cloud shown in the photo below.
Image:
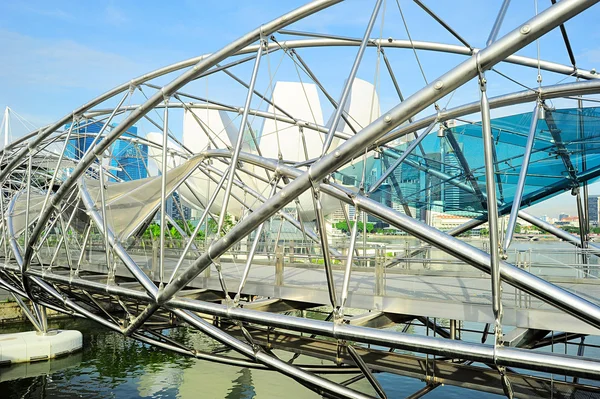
(61, 64)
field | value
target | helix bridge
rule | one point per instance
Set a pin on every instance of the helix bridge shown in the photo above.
(202, 195)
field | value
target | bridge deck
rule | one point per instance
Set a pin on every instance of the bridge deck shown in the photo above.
(452, 295)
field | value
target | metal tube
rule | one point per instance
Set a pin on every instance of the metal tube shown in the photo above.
(444, 24)
(492, 208)
(563, 32)
(203, 64)
(348, 270)
(104, 222)
(350, 80)
(498, 23)
(36, 323)
(28, 198)
(182, 232)
(325, 247)
(513, 357)
(459, 75)
(262, 357)
(322, 88)
(366, 372)
(582, 229)
(163, 191)
(547, 362)
(402, 157)
(130, 264)
(253, 250)
(199, 225)
(556, 296)
(240, 140)
(516, 204)
(42, 133)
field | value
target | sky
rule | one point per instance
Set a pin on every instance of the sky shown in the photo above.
(58, 55)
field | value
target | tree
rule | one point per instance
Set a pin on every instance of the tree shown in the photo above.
(227, 224)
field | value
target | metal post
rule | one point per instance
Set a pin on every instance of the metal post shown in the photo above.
(28, 199)
(512, 221)
(582, 230)
(349, 261)
(104, 221)
(279, 262)
(379, 271)
(452, 329)
(163, 192)
(324, 246)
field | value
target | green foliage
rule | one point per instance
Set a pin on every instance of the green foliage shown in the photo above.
(153, 231)
(227, 224)
(344, 226)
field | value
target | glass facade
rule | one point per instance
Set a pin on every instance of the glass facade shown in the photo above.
(447, 173)
(128, 161)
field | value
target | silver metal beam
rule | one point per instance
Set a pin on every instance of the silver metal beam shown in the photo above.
(459, 75)
(516, 204)
(350, 80)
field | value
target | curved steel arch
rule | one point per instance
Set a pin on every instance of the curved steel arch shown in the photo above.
(70, 194)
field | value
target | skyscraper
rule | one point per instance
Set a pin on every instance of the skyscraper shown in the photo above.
(173, 207)
(84, 133)
(129, 159)
(593, 206)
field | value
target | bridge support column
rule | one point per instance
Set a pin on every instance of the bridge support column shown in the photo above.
(154, 258)
(380, 271)
(279, 266)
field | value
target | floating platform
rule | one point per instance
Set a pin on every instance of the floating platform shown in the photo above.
(32, 346)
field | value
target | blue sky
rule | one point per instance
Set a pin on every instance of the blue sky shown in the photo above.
(58, 55)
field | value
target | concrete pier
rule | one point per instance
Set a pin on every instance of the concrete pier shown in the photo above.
(32, 346)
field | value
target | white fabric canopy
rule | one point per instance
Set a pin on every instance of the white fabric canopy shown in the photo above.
(130, 204)
(19, 210)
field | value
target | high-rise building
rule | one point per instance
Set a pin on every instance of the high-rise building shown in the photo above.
(456, 200)
(593, 207)
(562, 216)
(83, 135)
(408, 177)
(173, 207)
(129, 159)
(451, 166)
(434, 183)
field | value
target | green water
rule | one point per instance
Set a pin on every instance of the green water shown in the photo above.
(111, 366)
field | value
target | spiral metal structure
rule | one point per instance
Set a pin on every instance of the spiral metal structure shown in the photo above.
(199, 221)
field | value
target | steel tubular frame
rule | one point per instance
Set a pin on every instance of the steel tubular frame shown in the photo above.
(289, 180)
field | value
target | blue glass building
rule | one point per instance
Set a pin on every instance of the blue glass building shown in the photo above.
(84, 133)
(129, 159)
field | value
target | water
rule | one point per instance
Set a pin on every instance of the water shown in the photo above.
(112, 366)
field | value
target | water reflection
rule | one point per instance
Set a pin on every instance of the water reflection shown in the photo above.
(111, 366)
